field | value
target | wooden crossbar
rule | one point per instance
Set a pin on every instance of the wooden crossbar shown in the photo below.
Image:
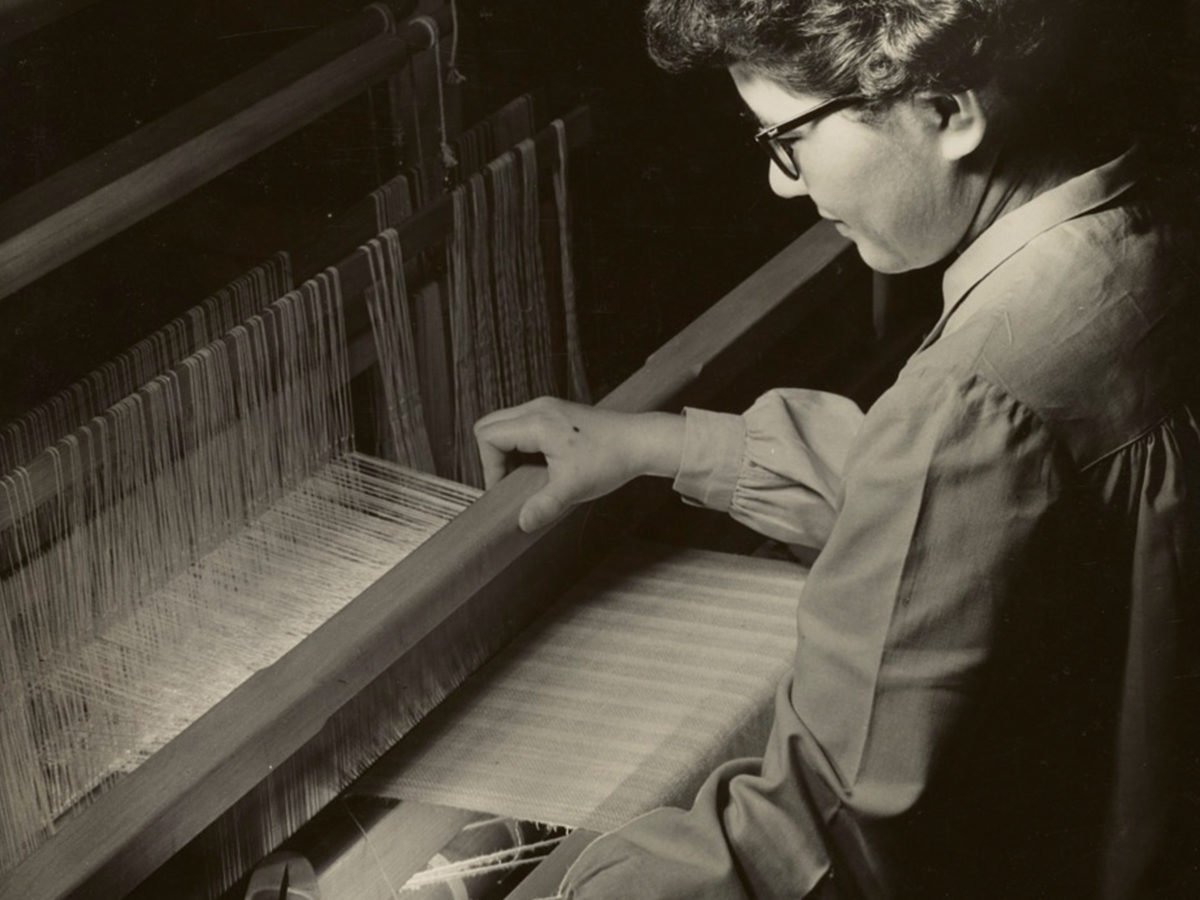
(85, 204)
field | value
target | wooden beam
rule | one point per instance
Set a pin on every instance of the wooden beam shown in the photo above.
(87, 203)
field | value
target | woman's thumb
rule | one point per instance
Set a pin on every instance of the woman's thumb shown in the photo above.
(540, 510)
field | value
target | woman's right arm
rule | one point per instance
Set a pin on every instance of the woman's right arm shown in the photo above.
(776, 469)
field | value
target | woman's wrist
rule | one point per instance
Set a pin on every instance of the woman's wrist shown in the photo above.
(656, 440)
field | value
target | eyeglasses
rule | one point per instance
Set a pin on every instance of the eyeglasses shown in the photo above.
(778, 151)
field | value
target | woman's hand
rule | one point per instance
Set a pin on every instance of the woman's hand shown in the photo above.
(589, 452)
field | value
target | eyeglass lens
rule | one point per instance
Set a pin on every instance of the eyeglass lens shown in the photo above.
(783, 158)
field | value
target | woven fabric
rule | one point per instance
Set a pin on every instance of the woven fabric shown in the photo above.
(661, 664)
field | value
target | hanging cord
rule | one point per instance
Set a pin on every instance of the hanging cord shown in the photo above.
(453, 76)
(448, 158)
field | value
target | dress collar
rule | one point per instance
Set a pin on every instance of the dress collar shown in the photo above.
(1015, 229)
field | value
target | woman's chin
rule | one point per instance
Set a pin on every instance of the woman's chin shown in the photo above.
(876, 257)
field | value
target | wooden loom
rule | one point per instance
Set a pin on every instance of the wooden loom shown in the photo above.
(478, 568)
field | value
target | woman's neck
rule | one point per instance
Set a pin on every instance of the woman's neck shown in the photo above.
(1018, 176)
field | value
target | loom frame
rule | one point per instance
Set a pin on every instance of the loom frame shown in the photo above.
(110, 847)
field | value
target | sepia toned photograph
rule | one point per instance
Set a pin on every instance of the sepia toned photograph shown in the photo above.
(600, 450)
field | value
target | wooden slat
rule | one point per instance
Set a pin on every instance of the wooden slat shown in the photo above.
(89, 202)
(149, 815)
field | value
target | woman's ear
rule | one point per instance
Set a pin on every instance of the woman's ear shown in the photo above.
(960, 121)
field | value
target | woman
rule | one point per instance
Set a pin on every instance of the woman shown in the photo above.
(988, 691)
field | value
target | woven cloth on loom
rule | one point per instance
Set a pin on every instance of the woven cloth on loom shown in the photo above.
(661, 664)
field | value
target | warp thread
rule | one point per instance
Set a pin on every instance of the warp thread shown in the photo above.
(505, 345)
(467, 467)
(502, 129)
(533, 275)
(507, 270)
(392, 332)
(393, 202)
(499, 315)
(24, 438)
(369, 844)
(577, 385)
(136, 584)
(486, 256)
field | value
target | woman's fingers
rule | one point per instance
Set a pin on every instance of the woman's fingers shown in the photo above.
(539, 426)
(497, 439)
(510, 412)
(507, 431)
(494, 460)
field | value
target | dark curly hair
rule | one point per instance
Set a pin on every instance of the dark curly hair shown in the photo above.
(881, 50)
(1073, 75)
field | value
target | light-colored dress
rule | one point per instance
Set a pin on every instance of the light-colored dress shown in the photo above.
(995, 684)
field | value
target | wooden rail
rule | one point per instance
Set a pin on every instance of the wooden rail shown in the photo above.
(148, 816)
(85, 204)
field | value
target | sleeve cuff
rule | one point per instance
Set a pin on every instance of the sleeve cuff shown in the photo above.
(713, 446)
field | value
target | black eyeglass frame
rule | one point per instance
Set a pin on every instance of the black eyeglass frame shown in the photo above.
(769, 137)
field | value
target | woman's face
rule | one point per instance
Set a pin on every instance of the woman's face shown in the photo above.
(889, 183)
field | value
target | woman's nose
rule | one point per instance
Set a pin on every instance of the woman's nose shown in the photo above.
(783, 186)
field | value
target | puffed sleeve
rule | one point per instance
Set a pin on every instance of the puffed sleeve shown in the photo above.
(777, 468)
(945, 492)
